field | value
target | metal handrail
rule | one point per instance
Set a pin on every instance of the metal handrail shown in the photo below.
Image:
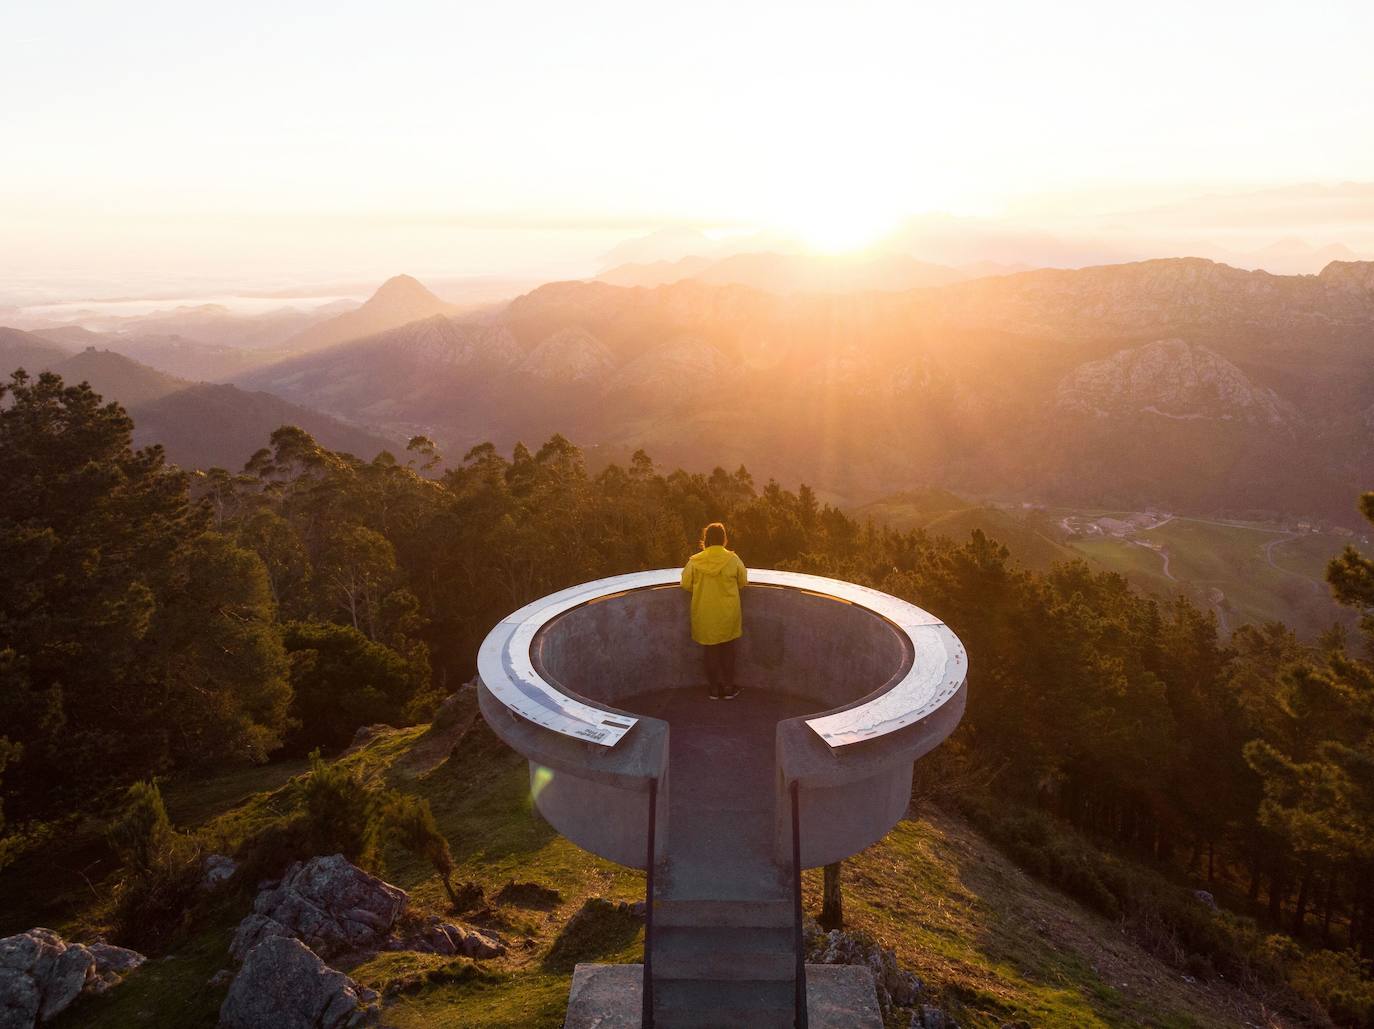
(798, 940)
(646, 1018)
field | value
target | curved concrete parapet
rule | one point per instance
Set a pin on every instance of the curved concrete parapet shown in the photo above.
(884, 683)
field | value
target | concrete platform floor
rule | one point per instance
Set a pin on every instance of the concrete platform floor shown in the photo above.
(721, 767)
(611, 997)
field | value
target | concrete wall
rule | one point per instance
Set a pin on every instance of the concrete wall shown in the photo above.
(797, 642)
(607, 820)
(596, 797)
(803, 643)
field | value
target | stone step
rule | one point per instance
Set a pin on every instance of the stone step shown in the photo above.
(608, 997)
(739, 1004)
(767, 914)
(723, 954)
(709, 875)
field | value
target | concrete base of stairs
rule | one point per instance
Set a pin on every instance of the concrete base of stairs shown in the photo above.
(610, 997)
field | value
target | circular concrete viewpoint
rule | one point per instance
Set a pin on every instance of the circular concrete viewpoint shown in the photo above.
(843, 689)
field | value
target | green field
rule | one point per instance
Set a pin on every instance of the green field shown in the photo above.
(1235, 559)
(1032, 539)
(1244, 572)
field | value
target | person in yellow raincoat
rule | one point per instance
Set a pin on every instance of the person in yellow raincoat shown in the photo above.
(714, 576)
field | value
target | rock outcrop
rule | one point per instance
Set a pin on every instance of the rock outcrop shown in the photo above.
(41, 974)
(895, 986)
(337, 909)
(328, 907)
(438, 937)
(218, 869)
(328, 903)
(284, 984)
(112, 964)
(1170, 379)
(570, 355)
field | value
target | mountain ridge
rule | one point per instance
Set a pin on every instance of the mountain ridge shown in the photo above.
(861, 394)
(198, 424)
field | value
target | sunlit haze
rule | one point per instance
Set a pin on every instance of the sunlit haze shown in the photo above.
(268, 144)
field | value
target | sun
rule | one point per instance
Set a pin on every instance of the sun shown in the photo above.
(840, 227)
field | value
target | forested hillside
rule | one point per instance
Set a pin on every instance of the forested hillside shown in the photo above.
(349, 591)
(199, 424)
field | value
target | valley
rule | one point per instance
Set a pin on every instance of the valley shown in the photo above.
(1246, 573)
(1179, 385)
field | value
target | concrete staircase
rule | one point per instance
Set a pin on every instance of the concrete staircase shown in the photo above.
(723, 932)
(723, 964)
(723, 951)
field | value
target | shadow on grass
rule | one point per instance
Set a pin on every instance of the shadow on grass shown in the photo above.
(598, 929)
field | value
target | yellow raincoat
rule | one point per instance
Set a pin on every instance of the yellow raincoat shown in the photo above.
(714, 577)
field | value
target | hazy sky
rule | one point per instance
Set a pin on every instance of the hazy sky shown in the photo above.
(318, 138)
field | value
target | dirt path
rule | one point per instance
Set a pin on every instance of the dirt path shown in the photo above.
(1163, 554)
(1268, 549)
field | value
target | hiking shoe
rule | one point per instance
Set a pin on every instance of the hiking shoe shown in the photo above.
(715, 697)
(732, 694)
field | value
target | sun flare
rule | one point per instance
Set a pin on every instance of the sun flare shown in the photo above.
(841, 229)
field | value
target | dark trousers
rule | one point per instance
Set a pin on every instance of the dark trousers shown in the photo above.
(719, 659)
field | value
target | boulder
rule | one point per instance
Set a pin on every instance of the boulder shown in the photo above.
(40, 975)
(333, 906)
(438, 937)
(284, 984)
(482, 944)
(252, 931)
(112, 964)
(930, 1017)
(895, 986)
(336, 908)
(218, 869)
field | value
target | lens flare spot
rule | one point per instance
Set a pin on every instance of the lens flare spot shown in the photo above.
(539, 778)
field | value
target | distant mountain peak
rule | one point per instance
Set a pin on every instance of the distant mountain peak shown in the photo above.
(398, 301)
(405, 289)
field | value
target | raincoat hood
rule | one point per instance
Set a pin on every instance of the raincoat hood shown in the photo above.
(713, 560)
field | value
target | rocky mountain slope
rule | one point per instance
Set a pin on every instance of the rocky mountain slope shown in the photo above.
(199, 424)
(1172, 379)
(1177, 383)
